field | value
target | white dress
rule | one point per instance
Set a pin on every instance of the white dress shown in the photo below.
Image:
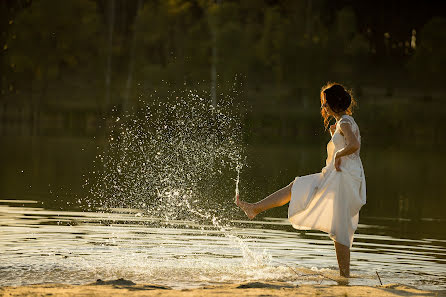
(330, 200)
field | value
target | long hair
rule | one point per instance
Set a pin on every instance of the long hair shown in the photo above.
(324, 112)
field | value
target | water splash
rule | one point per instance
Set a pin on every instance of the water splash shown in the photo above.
(172, 158)
(237, 181)
(250, 257)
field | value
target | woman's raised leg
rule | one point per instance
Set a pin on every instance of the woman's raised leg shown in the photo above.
(278, 198)
(343, 255)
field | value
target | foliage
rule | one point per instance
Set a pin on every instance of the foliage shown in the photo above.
(429, 61)
(285, 45)
(52, 36)
(171, 41)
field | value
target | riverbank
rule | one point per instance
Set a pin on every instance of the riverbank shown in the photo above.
(128, 288)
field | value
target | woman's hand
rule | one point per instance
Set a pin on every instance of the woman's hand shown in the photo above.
(337, 162)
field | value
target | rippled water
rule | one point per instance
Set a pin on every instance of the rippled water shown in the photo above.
(159, 189)
(40, 245)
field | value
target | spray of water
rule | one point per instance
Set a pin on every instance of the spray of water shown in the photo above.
(175, 158)
(237, 181)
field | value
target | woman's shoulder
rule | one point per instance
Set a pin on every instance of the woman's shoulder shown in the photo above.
(347, 116)
(348, 119)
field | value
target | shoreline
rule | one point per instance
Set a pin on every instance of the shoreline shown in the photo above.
(123, 287)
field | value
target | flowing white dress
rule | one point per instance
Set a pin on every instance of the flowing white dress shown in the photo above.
(330, 200)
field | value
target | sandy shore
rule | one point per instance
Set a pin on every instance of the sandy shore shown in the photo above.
(127, 288)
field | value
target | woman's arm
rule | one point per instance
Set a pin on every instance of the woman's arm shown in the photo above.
(352, 144)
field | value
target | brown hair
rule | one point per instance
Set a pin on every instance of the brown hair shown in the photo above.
(344, 93)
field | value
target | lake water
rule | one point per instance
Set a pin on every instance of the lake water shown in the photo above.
(41, 245)
(49, 231)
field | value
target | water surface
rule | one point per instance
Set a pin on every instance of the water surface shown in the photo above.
(52, 230)
(40, 245)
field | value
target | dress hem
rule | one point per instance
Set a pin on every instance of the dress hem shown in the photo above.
(331, 235)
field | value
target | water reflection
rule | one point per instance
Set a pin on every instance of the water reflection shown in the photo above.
(42, 245)
(404, 185)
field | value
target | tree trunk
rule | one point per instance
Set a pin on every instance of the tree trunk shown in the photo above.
(111, 14)
(128, 86)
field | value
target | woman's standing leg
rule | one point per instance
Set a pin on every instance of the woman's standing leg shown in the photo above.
(343, 255)
(278, 198)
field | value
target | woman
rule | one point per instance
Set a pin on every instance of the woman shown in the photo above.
(330, 200)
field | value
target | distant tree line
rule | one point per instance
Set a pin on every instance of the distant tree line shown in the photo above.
(292, 45)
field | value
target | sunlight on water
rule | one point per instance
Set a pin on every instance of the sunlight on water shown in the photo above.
(174, 159)
(161, 210)
(40, 245)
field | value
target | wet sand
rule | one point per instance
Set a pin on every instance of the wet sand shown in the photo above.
(128, 288)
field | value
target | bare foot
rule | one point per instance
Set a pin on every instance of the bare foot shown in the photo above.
(248, 208)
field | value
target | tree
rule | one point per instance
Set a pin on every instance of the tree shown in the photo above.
(429, 61)
(52, 35)
(348, 45)
(171, 41)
